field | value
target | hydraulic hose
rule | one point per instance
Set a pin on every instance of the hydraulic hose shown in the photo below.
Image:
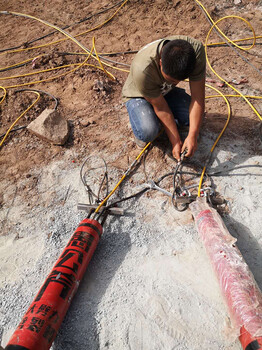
(214, 25)
(66, 27)
(4, 95)
(68, 37)
(14, 123)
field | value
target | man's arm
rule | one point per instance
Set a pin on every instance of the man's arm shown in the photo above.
(196, 111)
(165, 115)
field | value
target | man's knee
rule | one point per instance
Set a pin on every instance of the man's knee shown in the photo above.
(149, 132)
(143, 119)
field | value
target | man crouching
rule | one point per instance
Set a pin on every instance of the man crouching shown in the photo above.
(154, 101)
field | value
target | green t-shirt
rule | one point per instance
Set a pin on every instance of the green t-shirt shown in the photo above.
(145, 78)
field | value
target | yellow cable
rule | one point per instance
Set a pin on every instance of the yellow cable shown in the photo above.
(228, 84)
(111, 76)
(217, 28)
(47, 70)
(60, 67)
(219, 136)
(33, 58)
(69, 36)
(39, 71)
(112, 53)
(4, 95)
(57, 76)
(63, 32)
(72, 38)
(48, 79)
(61, 40)
(8, 131)
(235, 41)
(16, 64)
(214, 25)
(11, 127)
(231, 41)
(122, 178)
(247, 96)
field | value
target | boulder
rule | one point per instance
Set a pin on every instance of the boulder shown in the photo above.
(50, 126)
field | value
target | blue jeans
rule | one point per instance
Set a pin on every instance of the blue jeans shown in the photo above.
(145, 123)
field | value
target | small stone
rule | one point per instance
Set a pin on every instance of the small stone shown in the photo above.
(237, 2)
(87, 121)
(50, 126)
(102, 86)
(98, 85)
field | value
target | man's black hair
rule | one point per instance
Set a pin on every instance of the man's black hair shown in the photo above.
(178, 59)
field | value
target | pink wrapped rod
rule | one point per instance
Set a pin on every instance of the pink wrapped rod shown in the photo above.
(242, 294)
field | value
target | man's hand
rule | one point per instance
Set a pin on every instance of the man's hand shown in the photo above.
(165, 115)
(190, 144)
(176, 151)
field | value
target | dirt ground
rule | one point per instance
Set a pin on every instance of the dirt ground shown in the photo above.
(40, 183)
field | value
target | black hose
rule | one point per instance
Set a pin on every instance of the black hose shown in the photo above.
(67, 26)
(228, 44)
(12, 130)
(43, 92)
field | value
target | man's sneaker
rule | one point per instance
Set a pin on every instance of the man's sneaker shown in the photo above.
(140, 143)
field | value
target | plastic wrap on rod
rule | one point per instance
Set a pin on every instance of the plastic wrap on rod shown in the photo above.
(242, 294)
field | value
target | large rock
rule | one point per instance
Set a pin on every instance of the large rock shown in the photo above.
(50, 126)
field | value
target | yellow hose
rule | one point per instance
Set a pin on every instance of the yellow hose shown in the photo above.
(11, 127)
(123, 177)
(69, 37)
(112, 53)
(16, 64)
(248, 96)
(60, 67)
(4, 95)
(51, 69)
(60, 30)
(229, 40)
(219, 136)
(111, 76)
(55, 77)
(214, 25)
(235, 41)
(228, 84)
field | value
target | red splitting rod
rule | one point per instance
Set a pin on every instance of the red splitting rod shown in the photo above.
(40, 324)
(240, 290)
